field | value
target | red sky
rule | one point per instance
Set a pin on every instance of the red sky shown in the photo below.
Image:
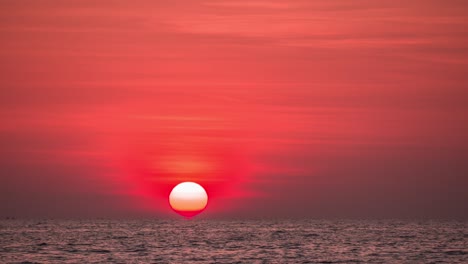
(279, 108)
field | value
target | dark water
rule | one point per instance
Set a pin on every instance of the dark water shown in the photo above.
(196, 241)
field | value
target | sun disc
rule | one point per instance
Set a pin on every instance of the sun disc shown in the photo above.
(188, 199)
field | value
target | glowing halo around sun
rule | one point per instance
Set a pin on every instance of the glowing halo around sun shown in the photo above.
(188, 199)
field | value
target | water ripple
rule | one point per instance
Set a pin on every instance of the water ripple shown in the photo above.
(298, 241)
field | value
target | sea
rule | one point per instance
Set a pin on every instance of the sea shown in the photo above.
(233, 241)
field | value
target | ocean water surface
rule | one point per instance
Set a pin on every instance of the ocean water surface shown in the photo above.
(253, 241)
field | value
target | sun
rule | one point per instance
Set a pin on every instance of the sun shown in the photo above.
(188, 199)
